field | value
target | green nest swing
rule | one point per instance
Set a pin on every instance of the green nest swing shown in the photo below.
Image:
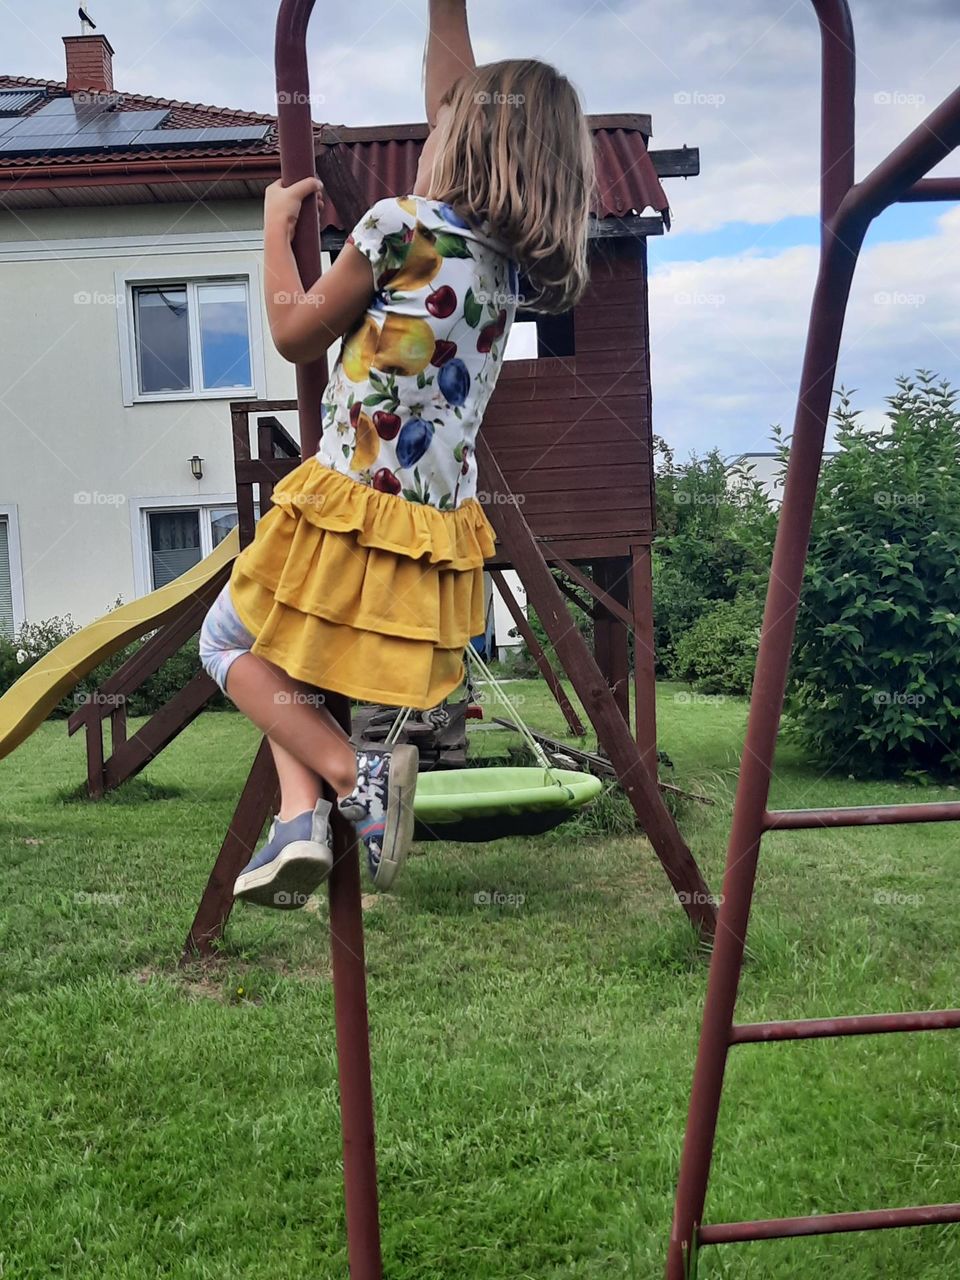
(483, 804)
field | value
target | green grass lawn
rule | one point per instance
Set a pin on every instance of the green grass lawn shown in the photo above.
(532, 1063)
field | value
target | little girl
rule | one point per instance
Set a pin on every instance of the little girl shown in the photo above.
(366, 576)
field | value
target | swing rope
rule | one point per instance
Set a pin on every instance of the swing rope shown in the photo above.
(472, 656)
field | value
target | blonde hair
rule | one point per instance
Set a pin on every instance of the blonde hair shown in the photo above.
(515, 152)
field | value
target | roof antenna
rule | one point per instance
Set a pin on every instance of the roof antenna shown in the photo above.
(86, 22)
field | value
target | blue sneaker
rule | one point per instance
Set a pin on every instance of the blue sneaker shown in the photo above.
(295, 860)
(381, 808)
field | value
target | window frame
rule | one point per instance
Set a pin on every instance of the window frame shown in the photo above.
(127, 282)
(8, 512)
(141, 510)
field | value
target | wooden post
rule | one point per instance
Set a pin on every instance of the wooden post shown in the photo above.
(611, 637)
(644, 655)
(94, 727)
(259, 798)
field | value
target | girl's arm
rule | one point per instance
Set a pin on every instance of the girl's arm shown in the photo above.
(305, 322)
(449, 51)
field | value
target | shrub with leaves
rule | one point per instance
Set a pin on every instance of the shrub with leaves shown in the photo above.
(715, 537)
(876, 672)
(719, 651)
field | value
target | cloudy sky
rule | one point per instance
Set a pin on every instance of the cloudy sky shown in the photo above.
(731, 284)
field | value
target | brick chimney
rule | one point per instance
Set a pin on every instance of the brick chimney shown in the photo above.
(89, 63)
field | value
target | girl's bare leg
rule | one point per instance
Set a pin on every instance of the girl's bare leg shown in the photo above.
(299, 786)
(304, 737)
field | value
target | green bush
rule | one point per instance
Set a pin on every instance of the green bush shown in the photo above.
(718, 653)
(36, 639)
(10, 668)
(715, 538)
(876, 671)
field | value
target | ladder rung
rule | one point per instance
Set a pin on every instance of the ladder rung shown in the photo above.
(823, 1224)
(869, 1024)
(880, 815)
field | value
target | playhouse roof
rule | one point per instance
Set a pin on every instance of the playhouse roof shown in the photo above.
(383, 159)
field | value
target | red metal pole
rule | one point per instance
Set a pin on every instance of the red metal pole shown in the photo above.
(297, 160)
(838, 262)
(847, 211)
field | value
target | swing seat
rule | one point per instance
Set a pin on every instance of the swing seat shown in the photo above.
(479, 805)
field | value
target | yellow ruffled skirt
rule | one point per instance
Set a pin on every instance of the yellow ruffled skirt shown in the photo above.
(363, 592)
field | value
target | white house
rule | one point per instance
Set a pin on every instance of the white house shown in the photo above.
(130, 246)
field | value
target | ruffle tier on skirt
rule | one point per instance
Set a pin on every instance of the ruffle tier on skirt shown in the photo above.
(363, 592)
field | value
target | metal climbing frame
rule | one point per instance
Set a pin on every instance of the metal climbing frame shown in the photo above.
(847, 210)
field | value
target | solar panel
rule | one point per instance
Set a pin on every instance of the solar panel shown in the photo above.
(73, 124)
(197, 137)
(122, 122)
(42, 143)
(67, 125)
(13, 101)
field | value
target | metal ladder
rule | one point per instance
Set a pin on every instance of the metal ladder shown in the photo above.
(847, 210)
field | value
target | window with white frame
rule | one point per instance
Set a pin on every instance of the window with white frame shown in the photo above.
(191, 338)
(177, 538)
(6, 581)
(9, 579)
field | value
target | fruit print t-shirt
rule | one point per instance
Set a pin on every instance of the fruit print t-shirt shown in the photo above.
(409, 390)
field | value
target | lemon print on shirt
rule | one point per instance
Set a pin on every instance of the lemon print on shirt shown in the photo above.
(404, 346)
(367, 444)
(420, 266)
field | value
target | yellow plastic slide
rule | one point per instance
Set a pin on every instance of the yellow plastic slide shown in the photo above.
(26, 704)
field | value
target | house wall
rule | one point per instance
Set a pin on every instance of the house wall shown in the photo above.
(76, 462)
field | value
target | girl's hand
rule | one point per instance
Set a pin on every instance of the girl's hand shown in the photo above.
(282, 205)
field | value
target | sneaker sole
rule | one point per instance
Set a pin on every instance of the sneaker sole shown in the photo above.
(398, 833)
(288, 881)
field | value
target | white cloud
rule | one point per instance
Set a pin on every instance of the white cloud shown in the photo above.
(728, 335)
